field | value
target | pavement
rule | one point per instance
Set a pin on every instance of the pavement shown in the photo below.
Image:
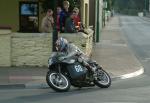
(112, 53)
(147, 19)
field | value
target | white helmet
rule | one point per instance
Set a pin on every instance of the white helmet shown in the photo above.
(61, 44)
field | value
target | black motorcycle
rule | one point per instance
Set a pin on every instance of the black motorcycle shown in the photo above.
(70, 71)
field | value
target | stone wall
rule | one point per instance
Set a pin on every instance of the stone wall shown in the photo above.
(5, 48)
(34, 49)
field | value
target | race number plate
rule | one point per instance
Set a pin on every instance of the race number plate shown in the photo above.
(76, 70)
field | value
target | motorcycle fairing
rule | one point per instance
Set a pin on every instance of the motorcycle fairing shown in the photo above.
(76, 70)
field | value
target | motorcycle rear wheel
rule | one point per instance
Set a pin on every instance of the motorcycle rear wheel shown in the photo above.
(103, 79)
(58, 82)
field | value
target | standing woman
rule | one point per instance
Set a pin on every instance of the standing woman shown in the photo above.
(48, 22)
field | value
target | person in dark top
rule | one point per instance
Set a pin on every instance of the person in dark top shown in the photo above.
(69, 24)
(64, 14)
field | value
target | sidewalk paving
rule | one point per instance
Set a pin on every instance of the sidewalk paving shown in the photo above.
(22, 77)
(112, 53)
(147, 19)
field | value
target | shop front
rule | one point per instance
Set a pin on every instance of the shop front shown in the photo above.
(26, 15)
(22, 44)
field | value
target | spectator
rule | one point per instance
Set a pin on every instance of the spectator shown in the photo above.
(79, 26)
(64, 15)
(69, 25)
(76, 17)
(58, 18)
(47, 22)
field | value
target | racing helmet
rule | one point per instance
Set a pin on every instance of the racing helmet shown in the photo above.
(61, 44)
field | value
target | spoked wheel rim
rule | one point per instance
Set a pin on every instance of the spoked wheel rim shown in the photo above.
(58, 81)
(103, 77)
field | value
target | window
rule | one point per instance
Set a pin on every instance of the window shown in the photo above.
(29, 9)
(28, 16)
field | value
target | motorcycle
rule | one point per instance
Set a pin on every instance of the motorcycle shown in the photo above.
(70, 71)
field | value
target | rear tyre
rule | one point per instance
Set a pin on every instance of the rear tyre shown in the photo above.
(103, 79)
(58, 82)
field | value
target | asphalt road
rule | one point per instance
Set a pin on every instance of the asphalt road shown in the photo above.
(135, 90)
(137, 33)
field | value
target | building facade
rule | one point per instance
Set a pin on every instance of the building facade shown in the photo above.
(26, 15)
(96, 17)
(19, 46)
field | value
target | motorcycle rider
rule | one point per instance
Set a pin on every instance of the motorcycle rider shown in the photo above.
(70, 50)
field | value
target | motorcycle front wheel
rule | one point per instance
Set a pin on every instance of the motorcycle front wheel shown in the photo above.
(58, 81)
(103, 79)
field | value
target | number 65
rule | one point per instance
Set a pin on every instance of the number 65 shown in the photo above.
(78, 68)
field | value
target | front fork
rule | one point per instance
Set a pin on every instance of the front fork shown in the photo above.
(59, 68)
(59, 71)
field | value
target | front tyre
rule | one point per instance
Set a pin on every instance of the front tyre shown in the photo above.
(57, 82)
(103, 79)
